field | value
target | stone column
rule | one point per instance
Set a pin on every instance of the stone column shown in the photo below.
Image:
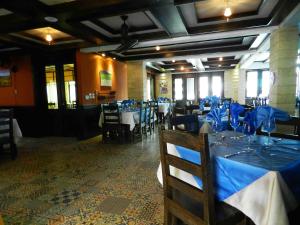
(283, 57)
(232, 84)
(136, 80)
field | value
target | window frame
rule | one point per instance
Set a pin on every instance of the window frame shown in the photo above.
(259, 81)
(196, 77)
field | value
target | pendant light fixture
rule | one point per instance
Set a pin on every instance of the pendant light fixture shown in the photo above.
(227, 11)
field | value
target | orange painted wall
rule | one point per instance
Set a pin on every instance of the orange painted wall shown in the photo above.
(21, 91)
(88, 68)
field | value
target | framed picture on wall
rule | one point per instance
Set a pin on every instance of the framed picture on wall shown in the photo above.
(5, 78)
(163, 87)
(105, 78)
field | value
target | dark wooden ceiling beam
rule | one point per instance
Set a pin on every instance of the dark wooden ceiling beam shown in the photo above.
(170, 54)
(170, 19)
(174, 66)
(230, 26)
(184, 48)
(216, 62)
(282, 10)
(36, 11)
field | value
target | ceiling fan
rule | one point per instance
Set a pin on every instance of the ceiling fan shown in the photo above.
(126, 42)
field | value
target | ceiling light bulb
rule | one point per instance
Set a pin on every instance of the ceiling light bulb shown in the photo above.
(48, 38)
(173, 61)
(114, 58)
(157, 48)
(103, 54)
(227, 12)
(221, 59)
(182, 68)
(219, 65)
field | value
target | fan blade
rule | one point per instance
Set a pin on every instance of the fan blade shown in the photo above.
(127, 45)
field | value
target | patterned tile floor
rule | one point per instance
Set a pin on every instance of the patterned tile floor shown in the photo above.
(61, 181)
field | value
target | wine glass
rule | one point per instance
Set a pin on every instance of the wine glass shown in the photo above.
(217, 127)
(248, 130)
(234, 123)
(268, 126)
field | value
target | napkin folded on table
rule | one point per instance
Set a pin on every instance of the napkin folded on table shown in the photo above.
(201, 105)
(226, 105)
(216, 115)
(266, 114)
(213, 101)
(235, 110)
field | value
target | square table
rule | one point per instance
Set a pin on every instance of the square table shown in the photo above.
(127, 117)
(263, 183)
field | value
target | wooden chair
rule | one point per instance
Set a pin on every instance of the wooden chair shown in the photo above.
(141, 127)
(188, 123)
(294, 123)
(184, 203)
(154, 114)
(112, 127)
(6, 131)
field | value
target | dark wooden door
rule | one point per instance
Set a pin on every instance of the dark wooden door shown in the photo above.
(56, 94)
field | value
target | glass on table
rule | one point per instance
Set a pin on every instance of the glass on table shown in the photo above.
(217, 128)
(268, 126)
(248, 130)
(234, 123)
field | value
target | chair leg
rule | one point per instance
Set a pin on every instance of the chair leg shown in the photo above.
(14, 151)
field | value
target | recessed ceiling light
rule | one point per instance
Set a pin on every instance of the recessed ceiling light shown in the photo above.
(51, 19)
(114, 58)
(173, 61)
(157, 48)
(48, 38)
(181, 68)
(219, 65)
(227, 12)
(221, 59)
(103, 54)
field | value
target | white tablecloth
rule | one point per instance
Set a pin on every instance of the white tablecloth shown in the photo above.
(130, 118)
(163, 108)
(17, 131)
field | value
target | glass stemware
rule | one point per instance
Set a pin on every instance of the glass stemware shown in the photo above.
(234, 123)
(268, 126)
(248, 130)
(217, 128)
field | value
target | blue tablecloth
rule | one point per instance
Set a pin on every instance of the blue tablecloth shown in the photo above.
(242, 167)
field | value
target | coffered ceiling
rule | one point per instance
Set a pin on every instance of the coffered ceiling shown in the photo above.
(179, 27)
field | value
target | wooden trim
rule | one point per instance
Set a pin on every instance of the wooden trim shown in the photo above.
(184, 165)
(185, 187)
(183, 213)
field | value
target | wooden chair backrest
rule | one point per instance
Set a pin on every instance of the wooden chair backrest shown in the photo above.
(205, 197)
(185, 123)
(6, 124)
(111, 114)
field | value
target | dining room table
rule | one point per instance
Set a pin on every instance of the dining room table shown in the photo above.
(130, 117)
(260, 180)
(164, 107)
(17, 133)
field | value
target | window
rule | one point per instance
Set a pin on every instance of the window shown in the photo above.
(203, 87)
(252, 80)
(193, 86)
(70, 86)
(265, 87)
(148, 88)
(178, 89)
(51, 87)
(190, 88)
(217, 86)
(258, 83)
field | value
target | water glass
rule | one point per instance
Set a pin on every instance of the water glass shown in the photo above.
(234, 123)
